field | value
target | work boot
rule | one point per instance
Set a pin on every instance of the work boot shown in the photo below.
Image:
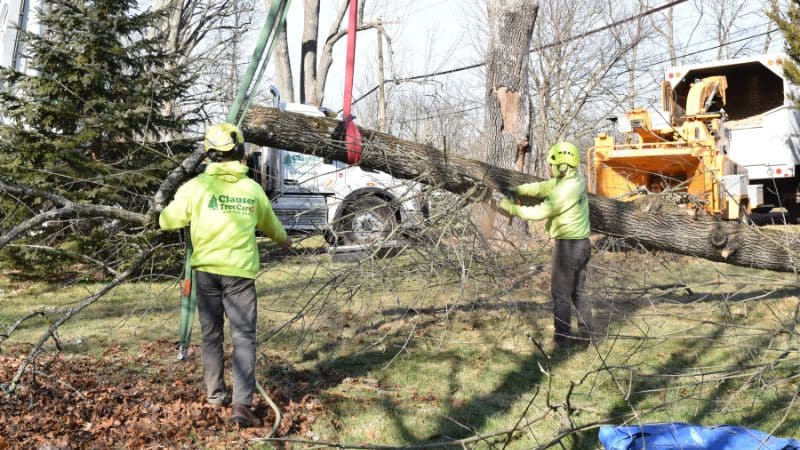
(218, 405)
(242, 415)
(561, 343)
(569, 343)
(589, 338)
(562, 339)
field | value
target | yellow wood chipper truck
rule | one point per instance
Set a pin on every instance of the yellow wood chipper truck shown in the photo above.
(726, 140)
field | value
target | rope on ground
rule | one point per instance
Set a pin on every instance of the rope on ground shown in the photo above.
(272, 405)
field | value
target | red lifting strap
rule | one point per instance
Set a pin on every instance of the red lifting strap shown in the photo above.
(352, 135)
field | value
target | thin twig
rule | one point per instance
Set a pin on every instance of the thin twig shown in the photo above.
(12, 385)
(12, 328)
(405, 344)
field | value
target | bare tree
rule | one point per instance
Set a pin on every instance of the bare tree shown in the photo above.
(205, 34)
(729, 15)
(663, 24)
(571, 78)
(433, 114)
(317, 54)
(282, 65)
(507, 115)
(308, 52)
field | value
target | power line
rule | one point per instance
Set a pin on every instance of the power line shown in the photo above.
(702, 50)
(543, 47)
(622, 72)
(437, 114)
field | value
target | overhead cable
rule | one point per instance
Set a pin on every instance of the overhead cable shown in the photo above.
(542, 47)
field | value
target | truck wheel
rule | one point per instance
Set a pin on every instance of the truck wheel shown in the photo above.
(366, 221)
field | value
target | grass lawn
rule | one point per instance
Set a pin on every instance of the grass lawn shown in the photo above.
(425, 348)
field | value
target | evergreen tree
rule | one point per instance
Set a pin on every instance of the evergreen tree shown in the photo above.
(88, 124)
(790, 27)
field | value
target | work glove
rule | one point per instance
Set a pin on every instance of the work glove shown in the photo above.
(151, 221)
(507, 206)
(512, 194)
(287, 244)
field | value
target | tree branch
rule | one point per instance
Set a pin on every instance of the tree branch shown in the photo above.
(176, 177)
(71, 313)
(71, 210)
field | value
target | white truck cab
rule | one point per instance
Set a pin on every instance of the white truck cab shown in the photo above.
(348, 204)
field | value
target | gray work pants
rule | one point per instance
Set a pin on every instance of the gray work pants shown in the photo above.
(218, 296)
(570, 260)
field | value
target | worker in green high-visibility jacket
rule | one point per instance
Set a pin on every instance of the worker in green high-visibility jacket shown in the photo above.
(223, 207)
(565, 207)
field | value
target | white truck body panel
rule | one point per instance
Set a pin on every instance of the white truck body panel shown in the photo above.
(768, 146)
(675, 75)
(755, 195)
(9, 14)
(760, 130)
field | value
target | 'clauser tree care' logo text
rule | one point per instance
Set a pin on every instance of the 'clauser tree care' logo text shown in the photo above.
(232, 205)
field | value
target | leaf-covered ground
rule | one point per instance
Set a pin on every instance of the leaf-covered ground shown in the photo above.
(129, 399)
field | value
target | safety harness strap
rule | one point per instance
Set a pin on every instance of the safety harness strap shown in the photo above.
(352, 135)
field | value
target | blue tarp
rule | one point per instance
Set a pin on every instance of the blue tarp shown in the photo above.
(681, 436)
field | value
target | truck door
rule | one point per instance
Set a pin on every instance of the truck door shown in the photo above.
(299, 172)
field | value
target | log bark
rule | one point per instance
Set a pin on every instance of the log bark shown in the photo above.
(507, 122)
(700, 236)
(507, 116)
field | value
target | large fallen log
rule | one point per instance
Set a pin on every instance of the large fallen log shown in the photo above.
(700, 236)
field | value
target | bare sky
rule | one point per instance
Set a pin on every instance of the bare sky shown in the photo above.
(426, 35)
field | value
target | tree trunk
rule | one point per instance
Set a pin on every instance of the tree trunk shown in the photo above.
(507, 124)
(283, 70)
(308, 51)
(316, 57)
(507, 107)
(700, 236)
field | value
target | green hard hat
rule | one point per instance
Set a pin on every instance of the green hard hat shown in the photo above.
(563, 153)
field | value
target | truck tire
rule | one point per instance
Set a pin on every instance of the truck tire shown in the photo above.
(366, 221)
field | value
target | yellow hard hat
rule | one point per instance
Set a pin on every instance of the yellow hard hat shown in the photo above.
(563, 153)
(223, 137)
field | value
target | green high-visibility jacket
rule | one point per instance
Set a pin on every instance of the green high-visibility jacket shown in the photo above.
(565, 205)
(223, 208)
